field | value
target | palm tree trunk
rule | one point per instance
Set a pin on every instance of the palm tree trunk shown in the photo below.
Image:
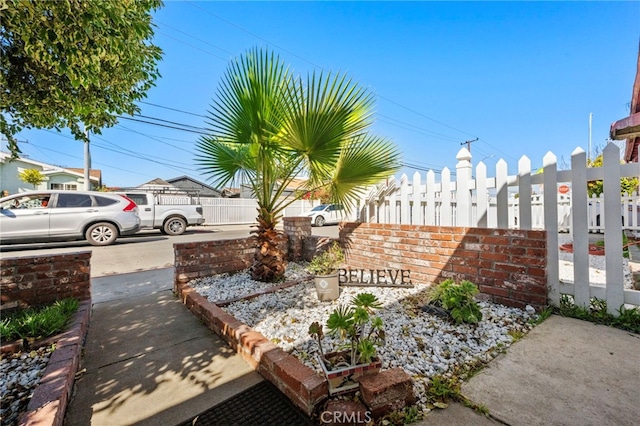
(269, 261)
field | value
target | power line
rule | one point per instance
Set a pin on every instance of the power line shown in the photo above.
(322, 68)
(173, 109)
(164, 125)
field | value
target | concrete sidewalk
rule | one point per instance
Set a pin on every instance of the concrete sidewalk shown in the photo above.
(564, 372)
(148, 361)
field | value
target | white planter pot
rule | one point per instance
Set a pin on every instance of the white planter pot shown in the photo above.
(327, 287)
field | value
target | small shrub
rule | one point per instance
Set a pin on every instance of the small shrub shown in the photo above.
(458, 299)
(328, 261)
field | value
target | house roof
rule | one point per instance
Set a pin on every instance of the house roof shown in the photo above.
(92, 172)
(48, 169)
(157, 182)
(629, 128)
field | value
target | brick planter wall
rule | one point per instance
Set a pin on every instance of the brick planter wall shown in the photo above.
(33, 281)
(509, 266)
(303, 386)
(208, 258)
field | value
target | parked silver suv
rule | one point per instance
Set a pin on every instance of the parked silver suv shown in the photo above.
(41, 216)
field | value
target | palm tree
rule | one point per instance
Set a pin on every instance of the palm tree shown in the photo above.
(269, 127)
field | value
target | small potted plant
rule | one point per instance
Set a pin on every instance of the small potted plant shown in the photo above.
(360, 331)
(324, 267)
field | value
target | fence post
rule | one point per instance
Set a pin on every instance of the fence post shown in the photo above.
(463, 192)
(550, 199)
(524, 192)
(579, 228)
(613, 228)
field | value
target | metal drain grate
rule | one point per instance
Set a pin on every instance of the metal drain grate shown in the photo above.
(261, 404)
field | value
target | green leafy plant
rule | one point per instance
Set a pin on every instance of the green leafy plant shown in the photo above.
(458, 299)
(627, 319)
(33, 323)
(357, 325)
(328, 261)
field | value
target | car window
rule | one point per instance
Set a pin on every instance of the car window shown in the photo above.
(73, 200)
(104, 201)
(32, 201)
(139, 199)
(319, 208)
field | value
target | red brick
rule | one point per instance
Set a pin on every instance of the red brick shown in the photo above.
(387, 391)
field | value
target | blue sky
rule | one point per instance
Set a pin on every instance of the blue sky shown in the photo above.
(522, 77)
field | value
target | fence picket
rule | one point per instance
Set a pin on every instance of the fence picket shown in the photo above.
(502, 194)
(524, 192)
(579, 228)
(550, 179)
(613, 225)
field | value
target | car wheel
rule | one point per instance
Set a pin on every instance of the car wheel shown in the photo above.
(175, 226)
(320, 221)
(101, 234)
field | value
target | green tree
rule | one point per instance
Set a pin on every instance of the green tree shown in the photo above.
(65, 63)
(269, 126)
(628, 185)
(32, 176)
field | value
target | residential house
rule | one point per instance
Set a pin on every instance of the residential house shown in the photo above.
(191, 184)
(629, 128)
(56, 177)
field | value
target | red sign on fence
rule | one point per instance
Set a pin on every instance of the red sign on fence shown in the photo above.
(563, 189)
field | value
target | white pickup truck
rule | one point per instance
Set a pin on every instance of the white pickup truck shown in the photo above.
(170, 213)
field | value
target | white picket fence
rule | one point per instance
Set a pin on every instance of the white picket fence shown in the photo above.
(491, 202)
(228, 211)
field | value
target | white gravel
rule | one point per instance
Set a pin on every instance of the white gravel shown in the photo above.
(423, 344)
(19, 376)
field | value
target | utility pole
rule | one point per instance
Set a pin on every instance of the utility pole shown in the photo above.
(589, 152)
(87, 161)
(468, 143)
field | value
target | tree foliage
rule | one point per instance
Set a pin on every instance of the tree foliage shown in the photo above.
(65, 63)
(628, 185)
(32, 176)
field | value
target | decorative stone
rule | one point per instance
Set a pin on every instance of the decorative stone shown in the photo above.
(387, 391)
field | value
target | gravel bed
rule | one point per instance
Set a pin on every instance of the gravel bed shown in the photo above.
(19, 376)
(597, 266)
(424, 345)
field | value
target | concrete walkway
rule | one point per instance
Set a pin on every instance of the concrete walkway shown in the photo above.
(147, 360)
(564, 372)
